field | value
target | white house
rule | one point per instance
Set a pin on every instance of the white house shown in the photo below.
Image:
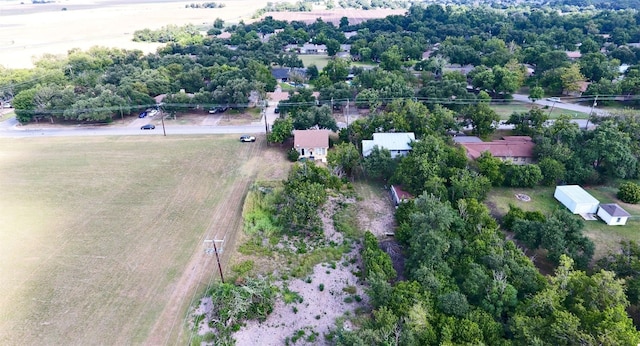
(576, 199)
(398, 143)
(613, 214)
(312, 144)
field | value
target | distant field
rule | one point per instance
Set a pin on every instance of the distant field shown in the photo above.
(101, 239)
(605, 237)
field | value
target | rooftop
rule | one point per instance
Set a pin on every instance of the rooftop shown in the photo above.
(509, 146)
(311, 138)
(390, 141)
(577, 193)
(614, 210)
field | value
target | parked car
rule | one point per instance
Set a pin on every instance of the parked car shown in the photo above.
(220, 109)
(246, 138)
(152, 112)
(142, 114)
(554, 99)
(7, 104)
(148, 127)
(276, 110)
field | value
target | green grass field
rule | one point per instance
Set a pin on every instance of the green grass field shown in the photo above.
(606, 238)
(319, 60)
(101, 238)
(505, 111)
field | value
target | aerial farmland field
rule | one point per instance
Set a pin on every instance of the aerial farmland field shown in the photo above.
(101, 238)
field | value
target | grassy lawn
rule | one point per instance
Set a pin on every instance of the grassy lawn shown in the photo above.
(505, 110)
(101, 237)
(6, 114)
(606, 238)
(319, 60)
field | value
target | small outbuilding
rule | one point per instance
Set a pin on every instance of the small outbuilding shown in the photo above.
(576, 199)
(612, 214)
(398, 195)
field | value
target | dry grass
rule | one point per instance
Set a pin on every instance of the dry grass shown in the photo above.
(92, 23)
(105, 234)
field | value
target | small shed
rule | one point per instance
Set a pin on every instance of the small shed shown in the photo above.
(612, 214)
(576, 199)
(398, 195)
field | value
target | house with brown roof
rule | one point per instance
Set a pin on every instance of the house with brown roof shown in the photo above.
(312, 144)
(573, 55)
(515, 149)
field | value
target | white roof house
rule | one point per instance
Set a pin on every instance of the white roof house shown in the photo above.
(613, 214)
(398, 143)
(576, 199)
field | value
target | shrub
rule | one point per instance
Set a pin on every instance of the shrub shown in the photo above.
(629, 192)
(293, 155)
(321, 287)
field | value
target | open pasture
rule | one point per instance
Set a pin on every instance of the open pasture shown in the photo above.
(101, 239)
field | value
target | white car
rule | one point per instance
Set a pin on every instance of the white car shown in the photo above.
(152, 112)
(553, 99)
(246, 138)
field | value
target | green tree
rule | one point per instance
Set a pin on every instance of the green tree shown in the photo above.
(379, 164)
(344, 157)
(571, 78)
(337, 70)
(333, 47)
(468, 184)
(281, 130)
(491, 167)
(481, 118)
(536, 93)
(553, 171)
(522, 175)
(391, 59)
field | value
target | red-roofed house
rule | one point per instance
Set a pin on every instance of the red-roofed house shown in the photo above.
(312, 144)
(398, 195)
(573, 55)
(516, 149)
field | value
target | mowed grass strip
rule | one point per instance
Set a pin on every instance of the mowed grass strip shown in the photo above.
(95, 231)
(505, 110)
(606, 238)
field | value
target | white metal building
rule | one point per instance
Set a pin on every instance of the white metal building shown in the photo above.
(613, 214)
(576, 199)
(398, 143)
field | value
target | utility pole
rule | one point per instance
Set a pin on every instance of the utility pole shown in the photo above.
(215, 250)
(266, 123)
(162, 119)
(595, 103)
(551, 109)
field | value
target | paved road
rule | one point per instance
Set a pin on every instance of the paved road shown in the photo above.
(10, 128)
(561, 105)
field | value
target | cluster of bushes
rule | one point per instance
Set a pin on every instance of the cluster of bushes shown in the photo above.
(560, 233)
(304, 192)
(171, 33)
(376, 262)
(233, 304)
(206, 5)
